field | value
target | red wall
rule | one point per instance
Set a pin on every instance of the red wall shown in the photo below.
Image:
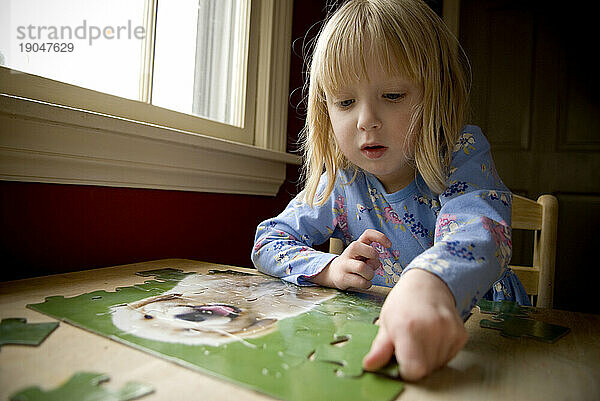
(49, 228)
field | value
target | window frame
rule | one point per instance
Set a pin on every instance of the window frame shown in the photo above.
(55, 132)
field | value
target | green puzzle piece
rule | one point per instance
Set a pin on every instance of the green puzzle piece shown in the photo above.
(351, 343)
(18, 331)
(515, 327)
(84, 386)
(505, 307)
(276, 363)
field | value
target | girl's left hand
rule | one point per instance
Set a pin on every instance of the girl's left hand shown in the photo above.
(419, 323)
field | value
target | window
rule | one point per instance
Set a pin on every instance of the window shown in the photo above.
(174, 78)
(76, 42)
(200, 58)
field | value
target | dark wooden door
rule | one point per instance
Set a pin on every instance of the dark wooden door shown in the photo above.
(536, 91)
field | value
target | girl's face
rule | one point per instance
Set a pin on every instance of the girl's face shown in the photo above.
(370, 121)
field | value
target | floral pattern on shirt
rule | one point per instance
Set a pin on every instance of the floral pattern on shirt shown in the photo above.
(455, 248)
(434, 262)
(388, 215)
(360, 210)
(391, 216)
(434, 204)
(455, 187)
(503, 197)
(502, 235)
(275, 245)
(341, 217)
(465, 143)
(390, 268)
(445, 224)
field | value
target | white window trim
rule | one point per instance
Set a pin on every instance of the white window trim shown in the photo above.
(42, 141)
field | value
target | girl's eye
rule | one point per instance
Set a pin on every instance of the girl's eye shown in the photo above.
(394, 96)
(346, 103)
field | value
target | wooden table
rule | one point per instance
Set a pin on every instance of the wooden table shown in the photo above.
(490, 367)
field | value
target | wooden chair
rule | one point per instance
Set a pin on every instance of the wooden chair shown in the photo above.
(541, 217)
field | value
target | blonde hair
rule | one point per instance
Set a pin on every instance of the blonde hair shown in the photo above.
(407, 39)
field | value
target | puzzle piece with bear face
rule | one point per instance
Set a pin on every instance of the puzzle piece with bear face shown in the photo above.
(84, 386)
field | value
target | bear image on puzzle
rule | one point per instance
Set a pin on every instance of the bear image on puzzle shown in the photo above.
(216, 309)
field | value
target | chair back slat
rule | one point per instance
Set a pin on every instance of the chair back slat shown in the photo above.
(529, 277)
(526, 214)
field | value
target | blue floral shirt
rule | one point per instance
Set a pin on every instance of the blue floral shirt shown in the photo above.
(462, 235)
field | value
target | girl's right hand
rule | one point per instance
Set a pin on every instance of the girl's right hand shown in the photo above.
(355, 267)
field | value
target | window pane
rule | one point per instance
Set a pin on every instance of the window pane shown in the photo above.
(95, 44)
(200, 58)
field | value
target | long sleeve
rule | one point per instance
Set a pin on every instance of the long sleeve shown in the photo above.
(472, 243)
(283, 244)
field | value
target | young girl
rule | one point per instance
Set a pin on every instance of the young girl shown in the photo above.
(411, 191)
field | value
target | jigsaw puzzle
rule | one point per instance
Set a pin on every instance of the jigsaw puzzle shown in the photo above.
(18, 331)
(290, 342)
(84, 386)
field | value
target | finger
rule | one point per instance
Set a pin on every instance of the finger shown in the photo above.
(357, 281)
(380, 353)
(459, 343)
(454, 339)
(373, 264)
(414, 362)
(348, 276)
(363, 269)
(370, 235)
(361, 251)
(444, 345)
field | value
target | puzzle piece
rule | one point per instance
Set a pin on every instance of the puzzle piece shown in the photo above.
(84, 386)
(515, 327)
(229, 271)
(18, 331)
(504, 307)
(166, 274)
(350, 345)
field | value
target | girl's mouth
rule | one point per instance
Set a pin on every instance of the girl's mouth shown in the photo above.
(373, 151)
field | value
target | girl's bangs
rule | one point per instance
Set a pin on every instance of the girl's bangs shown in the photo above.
(352, 46)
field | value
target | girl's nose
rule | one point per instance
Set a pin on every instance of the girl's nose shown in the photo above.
(368, 119)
